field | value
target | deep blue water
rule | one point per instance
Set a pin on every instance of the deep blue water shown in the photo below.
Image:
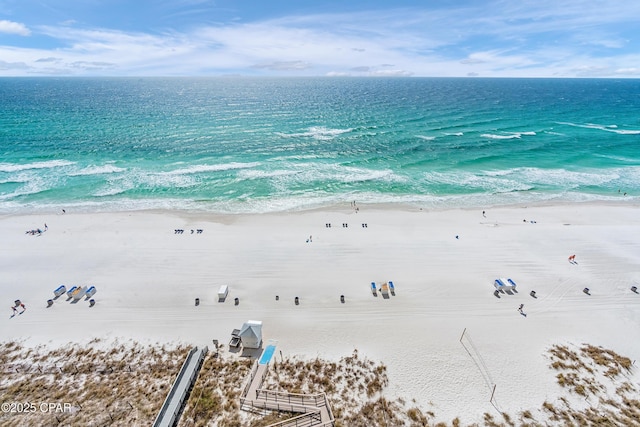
(260, 145)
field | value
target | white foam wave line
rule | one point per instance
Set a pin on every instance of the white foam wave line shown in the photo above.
(508, 135)
(303, 202)
(111, 191)
(16, 167)
(14, 180)
(97, 170)
(210, 168)
(523, 179)
(494, 136)
(426, 138)
(33, 186)
(258, 174)
(316, 132)
(606, 128)
(619, 158)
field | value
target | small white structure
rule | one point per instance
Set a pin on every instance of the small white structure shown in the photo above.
(223, 292)
(251, 334)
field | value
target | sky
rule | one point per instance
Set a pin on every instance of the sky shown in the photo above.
(404, 38)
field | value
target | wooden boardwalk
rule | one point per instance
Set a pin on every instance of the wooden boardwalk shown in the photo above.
(172, 407)
(314, 408)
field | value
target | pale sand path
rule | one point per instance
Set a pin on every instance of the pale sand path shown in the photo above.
(147, 278)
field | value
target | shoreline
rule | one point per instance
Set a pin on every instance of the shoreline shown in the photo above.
(629, 202)
(277, 205)
(147, 277)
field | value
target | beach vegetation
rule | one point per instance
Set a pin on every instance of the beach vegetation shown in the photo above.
(87, 377)
(125, 383)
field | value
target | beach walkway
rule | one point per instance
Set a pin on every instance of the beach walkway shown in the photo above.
(171, 408)
(314, 409)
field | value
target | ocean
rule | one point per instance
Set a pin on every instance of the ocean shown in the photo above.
(256, 145)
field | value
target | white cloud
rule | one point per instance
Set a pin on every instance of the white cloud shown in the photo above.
(634, 71)
(9, 27)
(503, 38)
(391, 73)
(48, 59)
(13, 65)
(284, 65)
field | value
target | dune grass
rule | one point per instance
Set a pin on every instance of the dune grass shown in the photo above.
(125, 383)
(122, 383)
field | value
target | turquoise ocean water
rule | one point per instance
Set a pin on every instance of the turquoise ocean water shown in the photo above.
(263, 145)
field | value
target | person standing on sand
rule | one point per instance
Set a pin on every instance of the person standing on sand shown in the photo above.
(13, 309)
(23, 308)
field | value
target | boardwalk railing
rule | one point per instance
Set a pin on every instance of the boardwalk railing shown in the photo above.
(252, 375)
(292, 398)
(172, 406)
(313, 407)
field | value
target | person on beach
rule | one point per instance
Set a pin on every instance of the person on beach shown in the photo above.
(521, 307)
(46, 227)
(23, 308)
(13, 309)
(483, 214)
(572, 259)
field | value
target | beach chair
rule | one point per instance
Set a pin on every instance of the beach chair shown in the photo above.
(70, 291)
(60, 290)
(499, 285)
(393, 289)
(512, 283)
(235, 338)
(373, 289)
(90, 292)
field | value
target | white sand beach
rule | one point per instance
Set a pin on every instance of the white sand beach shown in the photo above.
(147, 278)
